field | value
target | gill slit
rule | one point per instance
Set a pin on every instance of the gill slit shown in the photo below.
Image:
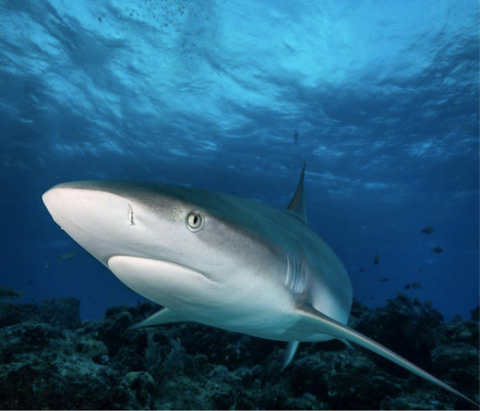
(296, 277)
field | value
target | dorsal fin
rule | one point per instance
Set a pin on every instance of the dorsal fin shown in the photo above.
(297, 206)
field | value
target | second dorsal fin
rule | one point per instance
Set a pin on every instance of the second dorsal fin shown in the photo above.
(297, 205)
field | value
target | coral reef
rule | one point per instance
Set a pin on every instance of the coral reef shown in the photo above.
(50, 359)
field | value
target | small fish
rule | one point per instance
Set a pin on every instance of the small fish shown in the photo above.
(383, 280)
(376, 260)
(428, 230)
(295, 136)
(438, 250)
(9, 293)
(419, 269)
(416, 286)
(30, 282)
(67, 256)
(48, 264)
(362, 270)
(408, 286)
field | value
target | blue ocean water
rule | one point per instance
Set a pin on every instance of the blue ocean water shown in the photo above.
(383, 96)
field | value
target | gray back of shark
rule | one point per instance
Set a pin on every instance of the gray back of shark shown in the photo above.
(219, 260)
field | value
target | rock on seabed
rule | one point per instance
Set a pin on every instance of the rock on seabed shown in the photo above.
(50, 359)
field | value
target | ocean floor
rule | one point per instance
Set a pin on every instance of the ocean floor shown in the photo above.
(50, 359)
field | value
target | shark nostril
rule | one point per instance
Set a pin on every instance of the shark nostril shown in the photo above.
(130, 215)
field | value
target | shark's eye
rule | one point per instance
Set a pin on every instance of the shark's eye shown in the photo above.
(194, 221)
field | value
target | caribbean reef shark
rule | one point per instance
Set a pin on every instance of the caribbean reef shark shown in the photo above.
(219, 260)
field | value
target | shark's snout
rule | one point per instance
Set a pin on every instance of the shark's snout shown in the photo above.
(66, 203)
(48, 198)
(89, 215)
(57, 199)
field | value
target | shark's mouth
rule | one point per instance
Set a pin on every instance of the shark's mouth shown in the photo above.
(163, 282)
(162, 264)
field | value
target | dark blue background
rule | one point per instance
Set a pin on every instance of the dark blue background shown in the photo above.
(384, 96)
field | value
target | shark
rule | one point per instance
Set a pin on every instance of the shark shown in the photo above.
(219, 260)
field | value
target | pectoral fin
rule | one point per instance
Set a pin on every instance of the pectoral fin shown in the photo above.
(289, 353)
(164, 316)
(347, 344)
(340, 331)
